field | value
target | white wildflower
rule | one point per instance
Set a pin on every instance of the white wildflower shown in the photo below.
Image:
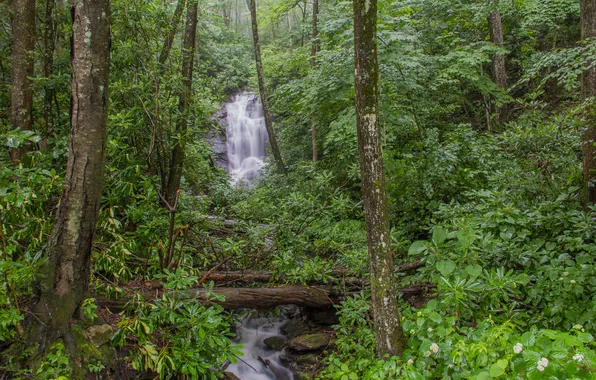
(411, 361)
(562, 279)
(430, 329)
(542, 364)
(578, 327)
(427, 354)
(434, 348)
(565, 273)
(412, 332)
(450, 366)
(518, 348)
(578, 358)
(419, 314)
(572, 281)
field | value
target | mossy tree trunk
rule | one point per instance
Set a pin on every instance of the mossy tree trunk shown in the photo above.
(23, 50)
(499, 68)
(313, 62)
(67, 271)
(588, 30)
(49, 46)
(178, 153)
(262, 90)
(388, 331)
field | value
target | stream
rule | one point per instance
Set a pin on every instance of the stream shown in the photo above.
(246, 137)
(251, 333)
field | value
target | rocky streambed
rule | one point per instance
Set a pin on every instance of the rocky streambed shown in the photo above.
(289, 346)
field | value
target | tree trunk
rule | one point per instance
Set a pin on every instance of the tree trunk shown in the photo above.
(178, 153)
(388, 331)
(313, 62)
(268, 122)
(67, 271)
(23, 49)
(588, 30)
(499, 66)
(49, 47)
(171, 34)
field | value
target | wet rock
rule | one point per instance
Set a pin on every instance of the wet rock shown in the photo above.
(308, 359)
(276, 343)
(326, 316)
(218, 142)
(304, 375)
(99, 335)
(309, 342)
(294, 327)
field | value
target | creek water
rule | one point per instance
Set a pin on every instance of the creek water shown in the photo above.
(260, 363)
(246, 138)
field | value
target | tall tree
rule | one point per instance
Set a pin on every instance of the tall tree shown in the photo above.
(499, 68)
(167, 45)
(184, 97)
(67, 272)
(23, 48)
(388, 331)
(262, 91)
(48, 42)
(313, 62)
(588, 30)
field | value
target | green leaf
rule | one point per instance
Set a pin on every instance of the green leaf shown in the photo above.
(496, 370)
(439, 235)
(445, 267)
(474, 270)
(417, 248)
(585, 337)
(435, 317)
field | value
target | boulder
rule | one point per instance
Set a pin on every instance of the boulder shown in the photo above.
(294, 327)
(276, 343)
(309, 342)
(308, 359)
(99, 335)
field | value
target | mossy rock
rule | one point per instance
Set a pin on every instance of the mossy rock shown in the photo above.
(276, 343)
(309, 342)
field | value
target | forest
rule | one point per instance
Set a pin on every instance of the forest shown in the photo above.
(298, 189)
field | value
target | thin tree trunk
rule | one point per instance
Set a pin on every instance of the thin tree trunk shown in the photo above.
(499, 65)
(388, 331)
(178, 153)
(262, 91)
(67, 273)
(23, 49)
(588, 30)
(313, 62)
(167, 45)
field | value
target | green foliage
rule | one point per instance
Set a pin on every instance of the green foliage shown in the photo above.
(176, 335)
(55, 365)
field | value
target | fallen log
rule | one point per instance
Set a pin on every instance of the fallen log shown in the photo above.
(256, 276)
(268, 298)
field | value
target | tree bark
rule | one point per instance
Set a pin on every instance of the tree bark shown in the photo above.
(588, 30)
(171, 34)
(23, 49)
(66, 274)
(178, 153)
(313, 62)
(49, 47)
(268, 298)
(262, 91)
(388, 331)
(499, 65)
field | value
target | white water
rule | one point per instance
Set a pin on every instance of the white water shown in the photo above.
(246, 138)
(251, 333)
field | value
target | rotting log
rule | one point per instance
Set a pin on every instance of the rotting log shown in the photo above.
(268, 298)
(263, 276)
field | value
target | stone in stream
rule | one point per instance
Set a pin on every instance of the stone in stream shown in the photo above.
(309, 342)
(294, 327)
(276, 343)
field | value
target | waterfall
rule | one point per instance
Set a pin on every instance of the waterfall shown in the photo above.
(259, 362)
(246, 138)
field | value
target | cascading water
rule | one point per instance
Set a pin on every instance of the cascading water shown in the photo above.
(246, 138)
(260, 363)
